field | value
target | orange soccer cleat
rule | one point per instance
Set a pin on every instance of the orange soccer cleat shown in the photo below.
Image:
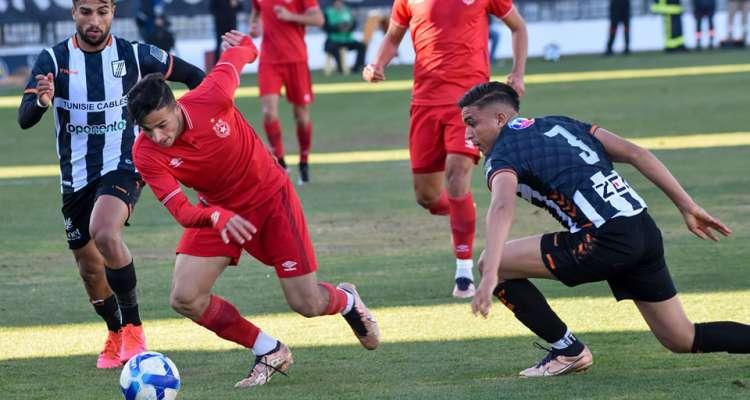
(110, 356)
(133, 341)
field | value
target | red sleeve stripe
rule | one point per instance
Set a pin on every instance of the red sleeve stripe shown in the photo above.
(236, 73)
(170, 196)
(169, 69)
(509, 11)
(394, 22)
(593, 129)
(489, 181)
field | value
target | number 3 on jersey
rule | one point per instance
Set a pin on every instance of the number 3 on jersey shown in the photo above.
(588, 155)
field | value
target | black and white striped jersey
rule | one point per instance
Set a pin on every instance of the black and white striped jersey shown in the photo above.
(93, 131)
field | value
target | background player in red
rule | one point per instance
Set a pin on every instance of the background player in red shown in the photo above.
(283, 61)
(246, 201)
(450, 41)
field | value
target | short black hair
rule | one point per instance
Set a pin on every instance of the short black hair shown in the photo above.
(150, 94)
(112, 2)
(490, 92)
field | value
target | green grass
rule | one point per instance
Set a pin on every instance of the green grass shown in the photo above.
(367, 229)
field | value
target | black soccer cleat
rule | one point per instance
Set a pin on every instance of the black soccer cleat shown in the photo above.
(304, 173)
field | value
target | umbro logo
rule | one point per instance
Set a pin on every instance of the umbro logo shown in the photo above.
(175, 162)
(289, 266)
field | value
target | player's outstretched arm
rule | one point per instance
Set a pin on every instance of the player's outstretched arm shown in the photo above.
(498, 221)
(520, 45)
(189, 74)
(696, 218)
(375, 72)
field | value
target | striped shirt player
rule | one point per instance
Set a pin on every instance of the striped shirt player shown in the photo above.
(86, 78)
(565, 167)
(94, 135)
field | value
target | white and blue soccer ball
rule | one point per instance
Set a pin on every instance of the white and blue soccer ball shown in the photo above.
(149, 376)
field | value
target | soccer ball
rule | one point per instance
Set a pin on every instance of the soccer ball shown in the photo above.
(149, 376)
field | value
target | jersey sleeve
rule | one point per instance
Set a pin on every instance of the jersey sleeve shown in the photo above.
(578, 128)
(500, 8)
(400, 13)
(169, 193)
(502, 159)
(154, 59)
(42, 66)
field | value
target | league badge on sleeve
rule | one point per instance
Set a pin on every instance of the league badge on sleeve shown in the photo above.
(158, 54)
(520, 123)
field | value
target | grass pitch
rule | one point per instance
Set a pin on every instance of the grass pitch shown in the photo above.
(368, 230)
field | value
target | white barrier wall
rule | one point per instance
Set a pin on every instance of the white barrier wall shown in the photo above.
(573, 37)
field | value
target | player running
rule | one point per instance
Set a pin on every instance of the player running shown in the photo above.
(85, 78)
(565, 167)
(450, 41)
(246, 202)
(283, 61)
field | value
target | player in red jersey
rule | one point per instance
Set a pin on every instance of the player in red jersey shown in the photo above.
(450, 41)
(283, 61)
(246, 202)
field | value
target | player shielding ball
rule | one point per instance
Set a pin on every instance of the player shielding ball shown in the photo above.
(565, 166)
(450, 42)
(84, 80)
(246, 202)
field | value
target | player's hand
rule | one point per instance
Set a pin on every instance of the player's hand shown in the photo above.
(515, 81)
(482, 300)
(282, 13)
(238, 229)
(702, 224)
(45, 88)
(373, 73)
(231, 39)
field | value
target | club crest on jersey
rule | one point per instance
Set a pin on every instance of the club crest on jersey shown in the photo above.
(521, 123)
(221, 128)
(118, 68)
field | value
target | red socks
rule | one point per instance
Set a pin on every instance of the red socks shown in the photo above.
(273, 131)
(441, 206)
(223, 318)
(336, 299)
(304, 137)
(463, 217)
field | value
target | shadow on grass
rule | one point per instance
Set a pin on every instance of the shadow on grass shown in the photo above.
(628, 365)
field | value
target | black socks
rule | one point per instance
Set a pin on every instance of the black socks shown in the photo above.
(531, 308)
(109, 311)
(122, 281)
(728, 336)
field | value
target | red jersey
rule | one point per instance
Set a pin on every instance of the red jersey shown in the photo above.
(218, 154)
(450, 42)
(283, 41)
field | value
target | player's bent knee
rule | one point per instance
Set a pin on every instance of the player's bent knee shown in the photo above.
(677, 343)
(184, 304)
(107, 240)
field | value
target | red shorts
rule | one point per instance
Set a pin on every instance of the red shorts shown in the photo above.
(435, 131)
(295, 77)
(282, 240)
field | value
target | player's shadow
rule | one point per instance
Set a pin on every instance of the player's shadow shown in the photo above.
(628, 365)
